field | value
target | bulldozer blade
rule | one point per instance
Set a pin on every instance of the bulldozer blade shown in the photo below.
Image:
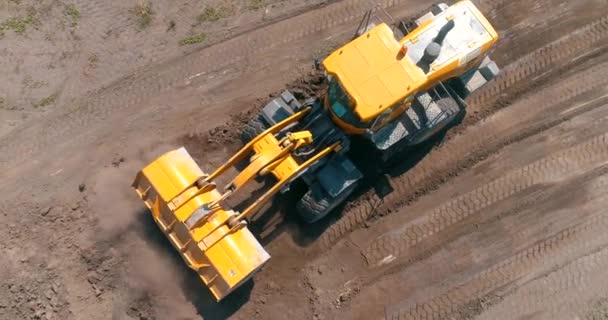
(223, 255)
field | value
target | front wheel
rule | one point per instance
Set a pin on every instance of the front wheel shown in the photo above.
(253, 129)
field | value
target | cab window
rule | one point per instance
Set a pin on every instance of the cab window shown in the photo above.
(341, 105)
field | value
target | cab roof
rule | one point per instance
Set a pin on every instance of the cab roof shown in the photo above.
(374, 73)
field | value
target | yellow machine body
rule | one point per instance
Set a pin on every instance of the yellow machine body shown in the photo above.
(378, 71)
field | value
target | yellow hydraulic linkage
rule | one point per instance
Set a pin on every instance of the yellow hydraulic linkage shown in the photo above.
(189, 208)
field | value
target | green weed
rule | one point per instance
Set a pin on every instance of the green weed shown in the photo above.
(211, 14)
(193, 39)
(17, 25)
(72, 13)
(256, 4)
(143, 12)
(46, 101)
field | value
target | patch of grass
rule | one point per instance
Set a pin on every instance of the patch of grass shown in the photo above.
(598, 310)
(143, 12)
(29, 82)
(211, 14)
(17, 25)
(193, 39)
(46, 101)
(256, 4)
(72, 13)
(93, 59)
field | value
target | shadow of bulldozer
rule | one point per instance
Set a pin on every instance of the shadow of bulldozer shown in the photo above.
(191, 285)
(376, 179)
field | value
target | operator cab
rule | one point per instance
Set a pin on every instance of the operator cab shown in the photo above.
(374, 78)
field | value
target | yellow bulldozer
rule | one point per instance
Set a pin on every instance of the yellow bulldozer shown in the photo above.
(390, 86)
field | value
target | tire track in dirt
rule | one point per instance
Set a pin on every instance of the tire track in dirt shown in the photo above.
(537, 65)
(452, 157)
(559, 166)
(574, 241)
(563, 293)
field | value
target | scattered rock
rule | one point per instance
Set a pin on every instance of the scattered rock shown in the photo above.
(54, 288)
(38, 314)
(45, 211)
(320, 269)
(116, 162)
(82, 187)
(93, 277)
(342, 269)
(98, 291)
(271, 285)
(75, 206)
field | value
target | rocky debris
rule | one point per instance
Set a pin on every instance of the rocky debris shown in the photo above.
(94, 279)
(309, 85)
(117, 161)
(45, 211)
(141, 309)
(33, 302)
(345, 296)
(98, 291)
(101, 264)
(82, 187)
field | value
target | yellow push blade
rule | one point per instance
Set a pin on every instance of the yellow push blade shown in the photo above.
(224, 256)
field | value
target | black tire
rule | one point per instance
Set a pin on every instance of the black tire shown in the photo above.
(317, 203)
(253, 129)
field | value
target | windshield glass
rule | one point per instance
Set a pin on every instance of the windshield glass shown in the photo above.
(340, 104)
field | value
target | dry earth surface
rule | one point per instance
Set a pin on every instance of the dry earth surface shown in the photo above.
(501, 218)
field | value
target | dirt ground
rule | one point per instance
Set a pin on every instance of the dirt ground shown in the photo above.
(502, 218)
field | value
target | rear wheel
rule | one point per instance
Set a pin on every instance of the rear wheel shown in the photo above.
(317, 203)
(253, 129)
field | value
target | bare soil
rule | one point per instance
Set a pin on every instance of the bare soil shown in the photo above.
(503, 217)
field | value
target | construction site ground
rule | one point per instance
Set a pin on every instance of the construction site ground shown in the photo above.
(503, 217)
